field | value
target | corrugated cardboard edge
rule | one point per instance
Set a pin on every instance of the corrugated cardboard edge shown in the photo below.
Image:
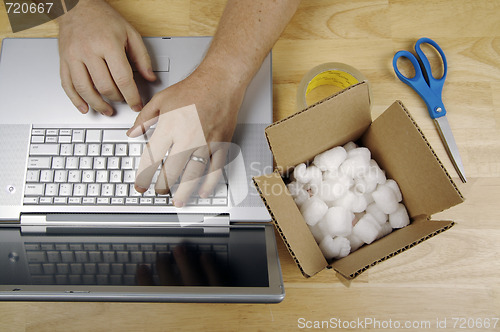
(440, 191)
(418, 231)
(430, 148)
(299, 241)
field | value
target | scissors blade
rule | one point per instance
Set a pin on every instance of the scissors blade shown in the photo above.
(446, 135)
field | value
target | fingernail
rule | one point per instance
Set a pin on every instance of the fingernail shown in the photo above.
(83, 109)
(151, 73)
(178, 204)
(140, 189)
(137, 108)
(203, 194)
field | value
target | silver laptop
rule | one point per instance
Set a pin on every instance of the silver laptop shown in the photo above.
(74, 228)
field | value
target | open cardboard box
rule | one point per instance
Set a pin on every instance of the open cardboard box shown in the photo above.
(399, 147)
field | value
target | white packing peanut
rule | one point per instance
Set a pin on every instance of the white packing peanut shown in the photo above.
(367, 229)
(399, 218)
(362, 152)
(337, 221)
(330, 160)
(394, 186)
(349, 146)
(385, 229)
(385, 198)
(378, 214)
(355, 242)
(313, 210)
(335, 247)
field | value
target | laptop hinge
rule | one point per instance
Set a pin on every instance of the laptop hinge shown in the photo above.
(32, 223)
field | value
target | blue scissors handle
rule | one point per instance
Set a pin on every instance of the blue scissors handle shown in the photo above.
(424, 83)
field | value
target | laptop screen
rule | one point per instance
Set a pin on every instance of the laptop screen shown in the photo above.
(229, 257)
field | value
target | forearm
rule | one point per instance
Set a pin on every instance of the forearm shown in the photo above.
(246, 33)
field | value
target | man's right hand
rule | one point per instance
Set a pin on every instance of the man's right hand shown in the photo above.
(94, 41)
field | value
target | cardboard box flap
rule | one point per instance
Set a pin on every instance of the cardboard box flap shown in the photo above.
(394, 243)
(288, 220)
(401, 149)
(338, 119)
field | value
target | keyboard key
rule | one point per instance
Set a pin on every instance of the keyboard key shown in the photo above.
(34, 189)
(46, 175)
(49, 268)
(35, 268)
(88, 279)
(66, 189)
(62, 279)
(94, 189)
(36, 256)
(52, 132)
(32, 246)
(72, 162)
(102, 176)
(94, 150)
(78, 136)
(93, 136)
(51, 139)
(129, 176)
(37, 139)
(146, 201)
(119, 136)
(88, 200)
(108, 189)
(58, 162)
(79, 189)
(90, 268)
(61, 200)
(30, 200)
(65, 132)
(107, 150)
(117, 201)
(51, 189)
(86, 162)
(65, 139)
(33, 176)
(103, 268)
(66, 149)
(45, 200)
(62, 268)
(89, 246)
(127, 163)
(121, 189)
(88, 176)
(76, 268)
(34, 162)
(102, 279)
(75, 200)
(135, 150)
(61, 246)
(115, 176)
(80, 149)
(219, 201)
(61, 176)
(38, 132)
(67, 256)
(117, 268)
(94, 256)
(114, 163)
(99, 163)
(74, 176)
(44, 149)
(121, 150)
(53, 256)
(103, 200)
(132, 201)
(42, 280)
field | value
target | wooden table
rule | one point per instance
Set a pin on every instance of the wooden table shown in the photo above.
(453, 276)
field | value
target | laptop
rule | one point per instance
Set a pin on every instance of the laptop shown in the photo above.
(73, 228)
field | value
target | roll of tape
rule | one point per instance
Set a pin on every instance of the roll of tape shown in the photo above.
(324, 80)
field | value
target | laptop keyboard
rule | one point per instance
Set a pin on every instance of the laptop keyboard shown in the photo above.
(106, 263)
(93, 167)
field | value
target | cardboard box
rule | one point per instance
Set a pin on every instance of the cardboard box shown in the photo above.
(396, 143)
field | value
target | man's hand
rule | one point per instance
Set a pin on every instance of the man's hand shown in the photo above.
(195, 120)
(94, 41)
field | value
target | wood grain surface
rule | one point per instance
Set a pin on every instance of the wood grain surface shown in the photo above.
(454, 275)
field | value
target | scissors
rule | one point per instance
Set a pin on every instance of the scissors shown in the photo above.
(430, 90)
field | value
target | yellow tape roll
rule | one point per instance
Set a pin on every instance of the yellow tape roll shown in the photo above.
(324, 80)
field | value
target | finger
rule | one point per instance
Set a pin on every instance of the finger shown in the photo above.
(124, 79)
(193, 173)
(165, 269)
(139, 56)
(209, 266)
(153, 154)
(85, 88)
(172, 168)
(214, 172)
(144, 275)
(103, 81)
(68, 87)
(188, 266)
(148, 116)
